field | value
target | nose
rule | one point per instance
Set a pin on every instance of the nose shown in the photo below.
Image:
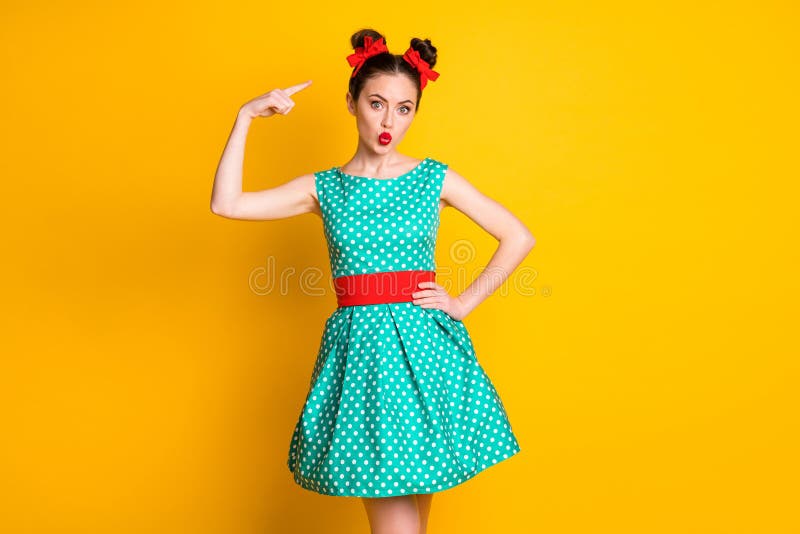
(387, 120)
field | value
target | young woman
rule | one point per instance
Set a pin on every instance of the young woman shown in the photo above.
(398, 407)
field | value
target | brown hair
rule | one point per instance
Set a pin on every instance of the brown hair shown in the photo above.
(388, 63)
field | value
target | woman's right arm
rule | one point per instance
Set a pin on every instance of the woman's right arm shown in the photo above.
(294, 197)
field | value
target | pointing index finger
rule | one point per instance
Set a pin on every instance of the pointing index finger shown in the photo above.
(292, 89)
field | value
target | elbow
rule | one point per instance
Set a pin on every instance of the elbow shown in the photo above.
(528, 241)
(524, 241)
(527, 238)
(225, 206)
(218, 208)
(215, 209)
(221, 212)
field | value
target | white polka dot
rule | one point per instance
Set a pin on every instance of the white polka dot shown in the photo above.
(396, 394)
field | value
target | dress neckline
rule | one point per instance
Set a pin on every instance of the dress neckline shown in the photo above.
(418, 166)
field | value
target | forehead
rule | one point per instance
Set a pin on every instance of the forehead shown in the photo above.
(393, 87)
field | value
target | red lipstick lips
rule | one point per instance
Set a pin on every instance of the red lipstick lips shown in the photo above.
(385, 138)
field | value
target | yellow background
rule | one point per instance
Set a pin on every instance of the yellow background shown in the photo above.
(151, 384)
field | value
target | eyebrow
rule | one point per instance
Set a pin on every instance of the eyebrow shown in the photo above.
(379, 96)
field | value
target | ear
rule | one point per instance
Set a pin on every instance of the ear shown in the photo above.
(351, 105)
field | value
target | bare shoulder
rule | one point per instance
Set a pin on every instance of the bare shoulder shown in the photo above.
(457, 190)
(487, 212)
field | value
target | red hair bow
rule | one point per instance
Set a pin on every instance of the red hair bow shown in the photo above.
(425, 72)
(365, 52)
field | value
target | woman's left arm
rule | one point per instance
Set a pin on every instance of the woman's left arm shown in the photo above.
(516, 241)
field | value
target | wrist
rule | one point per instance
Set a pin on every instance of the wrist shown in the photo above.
(243, 116)
(465, 307)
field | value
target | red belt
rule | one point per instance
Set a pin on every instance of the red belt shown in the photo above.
(379, 288)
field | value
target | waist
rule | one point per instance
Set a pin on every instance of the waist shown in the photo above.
(379, 288)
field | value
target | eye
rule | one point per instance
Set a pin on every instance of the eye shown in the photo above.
(407, 109)
(375, 102)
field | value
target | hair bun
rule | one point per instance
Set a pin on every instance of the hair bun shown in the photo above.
(357, 39)
(426, 50)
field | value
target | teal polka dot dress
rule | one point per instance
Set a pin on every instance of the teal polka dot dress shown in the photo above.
(398, 403)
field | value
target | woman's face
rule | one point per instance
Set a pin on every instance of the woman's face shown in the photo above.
(386, 104)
